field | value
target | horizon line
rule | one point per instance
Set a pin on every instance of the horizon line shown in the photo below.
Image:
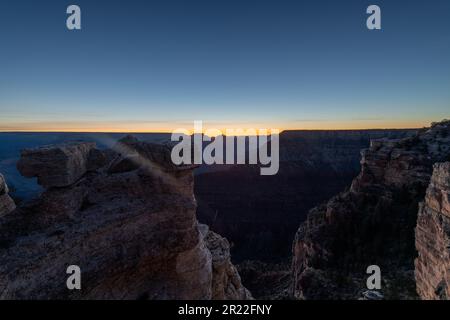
(174, 131)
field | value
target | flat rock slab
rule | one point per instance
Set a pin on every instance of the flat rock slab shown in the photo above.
(57, 165)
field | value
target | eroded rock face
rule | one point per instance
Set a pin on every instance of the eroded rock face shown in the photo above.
(226, 284)
(371, 223)
(132, 232)
(433, 238)
(6, 203)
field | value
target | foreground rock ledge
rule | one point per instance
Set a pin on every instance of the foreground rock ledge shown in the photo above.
(125, 216)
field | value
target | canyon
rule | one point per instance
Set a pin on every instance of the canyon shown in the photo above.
(141, 227)
(260, 215)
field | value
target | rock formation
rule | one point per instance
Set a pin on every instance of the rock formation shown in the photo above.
(56, 166)
(433, 237)
(370, 224)
(6, 203)
(226, 282)
(125, 216)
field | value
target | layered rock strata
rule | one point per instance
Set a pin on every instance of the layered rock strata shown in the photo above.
(433, 238)
(125, 216)
(370, 224)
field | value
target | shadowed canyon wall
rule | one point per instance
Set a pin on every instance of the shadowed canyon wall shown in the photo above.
(372, 223)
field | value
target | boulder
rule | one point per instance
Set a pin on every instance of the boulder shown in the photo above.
(56, 166)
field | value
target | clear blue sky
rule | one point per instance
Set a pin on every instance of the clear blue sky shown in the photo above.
(156, 65)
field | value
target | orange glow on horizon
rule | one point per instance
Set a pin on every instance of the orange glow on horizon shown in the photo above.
(97, 127)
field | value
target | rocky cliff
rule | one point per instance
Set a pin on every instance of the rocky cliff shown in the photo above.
(226, 282)
(433, 237)
(125, 216)
(6, 203)
(372, 223)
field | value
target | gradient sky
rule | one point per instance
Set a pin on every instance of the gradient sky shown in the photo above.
(160, 65)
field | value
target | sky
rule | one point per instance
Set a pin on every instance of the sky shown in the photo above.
(144, 66)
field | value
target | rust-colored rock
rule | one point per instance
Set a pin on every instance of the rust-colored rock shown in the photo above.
(433, 238)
